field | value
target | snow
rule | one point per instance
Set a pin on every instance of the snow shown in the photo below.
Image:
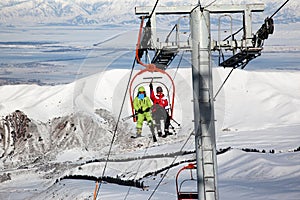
(259, 91)
(255, 110)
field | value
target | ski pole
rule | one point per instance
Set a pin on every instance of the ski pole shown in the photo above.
(175, 122)
(128, 117)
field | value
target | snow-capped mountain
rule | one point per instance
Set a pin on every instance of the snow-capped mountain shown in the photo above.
(77, 12)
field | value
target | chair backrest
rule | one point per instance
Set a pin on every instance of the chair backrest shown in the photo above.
(187, 195)
(186, 189)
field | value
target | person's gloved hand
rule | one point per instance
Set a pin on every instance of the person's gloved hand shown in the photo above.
(151, 86)
(140, 111)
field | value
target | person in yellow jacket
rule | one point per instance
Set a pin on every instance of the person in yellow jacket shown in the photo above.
(142, 106)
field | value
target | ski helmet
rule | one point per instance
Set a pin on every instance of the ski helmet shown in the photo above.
(159, 89)
(141, 89)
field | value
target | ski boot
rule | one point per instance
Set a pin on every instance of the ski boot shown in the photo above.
(159, 133)
(138, 132)
(166, 133)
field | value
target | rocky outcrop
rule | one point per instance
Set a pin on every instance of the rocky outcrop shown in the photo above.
(24, 141)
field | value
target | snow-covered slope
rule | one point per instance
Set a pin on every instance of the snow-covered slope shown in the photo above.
(249, 101)
(109, 11)
(265, 92)
(49, 133)
(65, 130)
(274, 94)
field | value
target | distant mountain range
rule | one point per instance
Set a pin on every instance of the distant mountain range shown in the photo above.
(119, 12)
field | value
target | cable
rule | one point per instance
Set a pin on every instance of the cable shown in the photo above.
(115, 131)
(177, 69)
(153, 9)
(233, 34)
(165, 174)
(178, 66)
(210, 3)
(223, 84)
(138, 169)
(173, 80)
(279, 8)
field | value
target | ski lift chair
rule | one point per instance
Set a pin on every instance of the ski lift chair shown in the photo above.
(159, 113)
(183, 191)
(148, 76)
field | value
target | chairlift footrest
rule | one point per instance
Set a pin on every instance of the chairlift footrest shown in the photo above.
(242, 58)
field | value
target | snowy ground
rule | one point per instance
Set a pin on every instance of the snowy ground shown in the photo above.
(268, 121)
(71, 124)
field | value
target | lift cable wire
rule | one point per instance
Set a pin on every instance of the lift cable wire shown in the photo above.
(97, 188)
(138, 169)
(233, 34)
(153, 9)
(179, 63)
(180, 60)
(219, 90)
(210, 3)
(279, 8)
(167, 171)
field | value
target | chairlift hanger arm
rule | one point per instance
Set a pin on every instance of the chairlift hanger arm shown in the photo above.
(250, 47)
(267, 28)
(262, 34)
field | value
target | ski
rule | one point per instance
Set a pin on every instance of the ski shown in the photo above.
(128, 117)
(153, 137)
(135, 137)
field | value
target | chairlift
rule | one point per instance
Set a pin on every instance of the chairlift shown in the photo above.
(157, 77)
(187, 188)
(151, 74)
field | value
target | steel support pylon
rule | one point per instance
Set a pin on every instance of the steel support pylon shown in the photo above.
(203, 105)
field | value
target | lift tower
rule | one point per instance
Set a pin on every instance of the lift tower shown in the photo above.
(200, 44)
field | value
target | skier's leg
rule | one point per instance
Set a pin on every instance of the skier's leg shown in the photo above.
(156, 119)
(158, 127)
(161, 115)
(139, 125)
(167, 124)
(150, 123)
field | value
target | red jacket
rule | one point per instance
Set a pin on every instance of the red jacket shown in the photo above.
(159, 99)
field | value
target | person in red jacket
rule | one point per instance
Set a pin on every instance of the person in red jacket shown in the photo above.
(160, 110)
